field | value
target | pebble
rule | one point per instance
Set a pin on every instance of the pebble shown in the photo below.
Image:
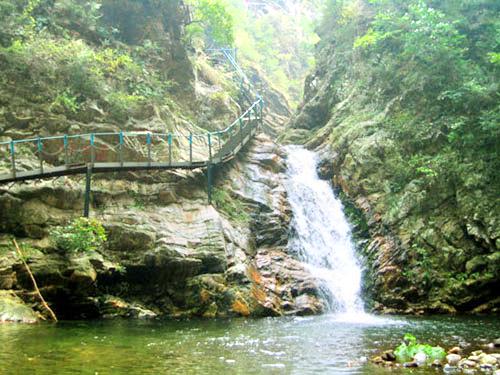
(488, 360)
(450, 369)
(410, 364)
(453, 359)
(486, 368)
(497, 343)
(455, 350)
(437, 363)
(469, 363)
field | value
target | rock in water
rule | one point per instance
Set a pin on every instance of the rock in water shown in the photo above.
(13, 309)
(453, 359)
(388, 356)
(469, 364)
(420, 358)
(437, 363)
(488, 360)
(455, 350)
(410, 364)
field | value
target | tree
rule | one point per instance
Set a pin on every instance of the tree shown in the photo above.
(212, 22)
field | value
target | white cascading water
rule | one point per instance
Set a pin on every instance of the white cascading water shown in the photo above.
(322, 236)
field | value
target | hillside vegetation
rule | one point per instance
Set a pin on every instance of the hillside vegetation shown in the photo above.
(404, 104)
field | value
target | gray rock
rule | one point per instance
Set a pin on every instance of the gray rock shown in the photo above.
(468, 363)
(420, 358)
(488, 360)
(453, 359)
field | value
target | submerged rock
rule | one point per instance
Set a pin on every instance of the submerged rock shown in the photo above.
(114, 307)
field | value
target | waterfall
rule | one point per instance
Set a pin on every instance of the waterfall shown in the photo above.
(321, 234)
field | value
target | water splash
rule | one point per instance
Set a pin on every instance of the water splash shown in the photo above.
(322, 236)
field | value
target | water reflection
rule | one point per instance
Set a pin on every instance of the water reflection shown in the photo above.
(311, 345)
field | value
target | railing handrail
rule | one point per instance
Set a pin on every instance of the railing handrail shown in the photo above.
(148, 152)
(131, 133)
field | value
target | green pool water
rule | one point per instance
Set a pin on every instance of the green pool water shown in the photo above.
(326, 344)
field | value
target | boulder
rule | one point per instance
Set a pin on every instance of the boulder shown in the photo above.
(13, 309)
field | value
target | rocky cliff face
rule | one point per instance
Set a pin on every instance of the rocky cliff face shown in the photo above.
(168, 253)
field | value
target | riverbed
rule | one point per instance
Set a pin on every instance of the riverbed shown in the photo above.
(328, 344)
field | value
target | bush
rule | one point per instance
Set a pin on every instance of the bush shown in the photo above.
(81, 234)
(407, 350)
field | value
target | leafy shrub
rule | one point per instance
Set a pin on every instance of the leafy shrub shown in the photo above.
(408, 349)
(121, 105)
(81, 234)
(65, 102)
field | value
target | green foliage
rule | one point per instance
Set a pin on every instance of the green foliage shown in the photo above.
(408, 349)
(70, 74)
(121, 105)
(427, 74)
(277, 40)
(231, 206)
(80, 235)
(212, 22)
(65, 102)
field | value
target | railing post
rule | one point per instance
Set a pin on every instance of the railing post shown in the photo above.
(209, 148)
(66, 156)
(13, 158)
(148, 142)
(88, 181)
(241, 131)
(261, 111)
(219, 141)
(40, 157)
(209, 181)
(190, 148)
(92, 149)
(121, 148)
(169, 149)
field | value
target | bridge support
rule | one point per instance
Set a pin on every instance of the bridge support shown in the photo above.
(88, 182)
(210, 181)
